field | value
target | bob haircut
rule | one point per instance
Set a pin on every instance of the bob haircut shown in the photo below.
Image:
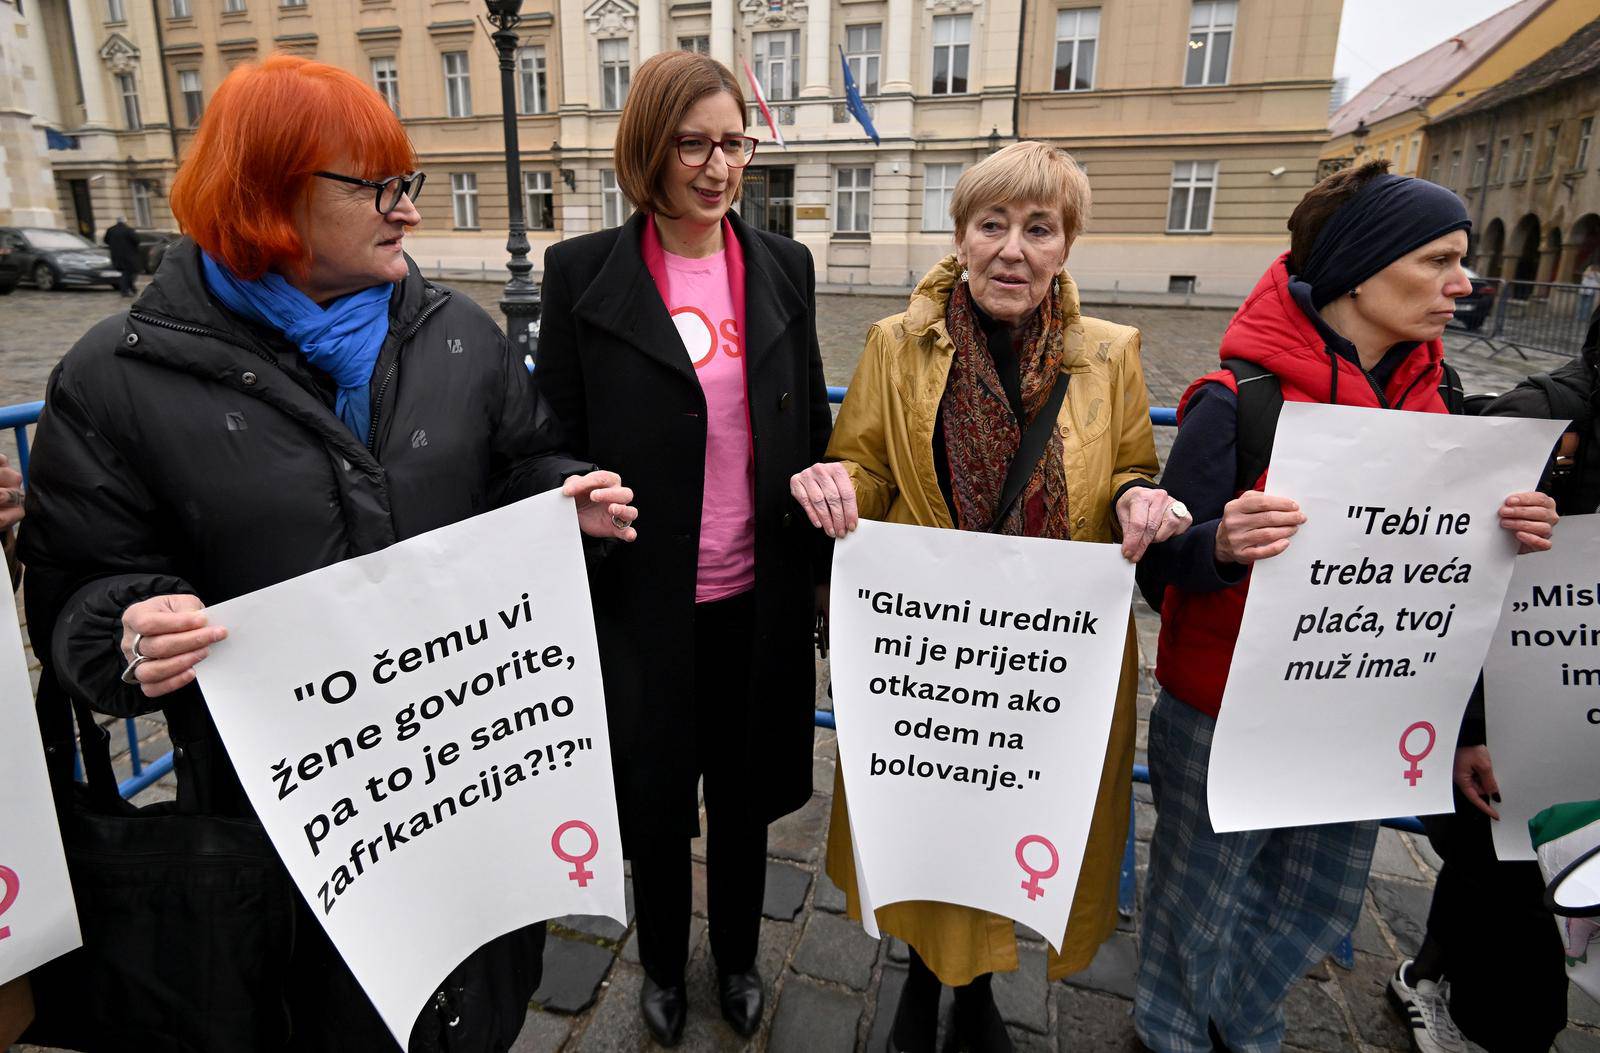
(268, 128)
(663, 91)
(1024, 171)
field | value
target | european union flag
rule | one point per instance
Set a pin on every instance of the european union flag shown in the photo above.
(852, 100)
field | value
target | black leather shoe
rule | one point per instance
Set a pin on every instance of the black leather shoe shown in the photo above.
(664, 1010)
(743, 999)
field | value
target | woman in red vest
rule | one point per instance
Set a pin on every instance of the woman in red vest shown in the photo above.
(1352, 315)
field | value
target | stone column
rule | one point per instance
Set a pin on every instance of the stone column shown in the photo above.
(722, 35)
(897, 43)
(649, 28)
(819, 49)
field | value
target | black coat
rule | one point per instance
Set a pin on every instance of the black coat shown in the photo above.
(616, 372)
(124, 246)
(185, 450)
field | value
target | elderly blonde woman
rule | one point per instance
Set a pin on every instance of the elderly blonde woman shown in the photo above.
(937, 411)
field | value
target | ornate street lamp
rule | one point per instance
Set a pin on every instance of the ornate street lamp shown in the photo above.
(520, 301)
(1359, 137)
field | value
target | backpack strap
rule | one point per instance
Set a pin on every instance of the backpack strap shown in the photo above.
(1451, 392)
(1260, 401)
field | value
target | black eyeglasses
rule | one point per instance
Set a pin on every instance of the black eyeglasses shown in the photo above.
(695, 150)
(389, 191)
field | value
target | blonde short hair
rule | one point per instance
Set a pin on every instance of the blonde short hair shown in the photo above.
(1024, 171)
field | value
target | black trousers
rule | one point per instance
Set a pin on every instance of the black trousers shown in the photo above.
(736, 836)
(1501, 950)
(125, 282)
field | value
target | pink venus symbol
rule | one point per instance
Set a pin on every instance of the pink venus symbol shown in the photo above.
(1414, 772)
(1032, 886)
(580, 873)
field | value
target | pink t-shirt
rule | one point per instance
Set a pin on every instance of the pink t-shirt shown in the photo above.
(698, 298)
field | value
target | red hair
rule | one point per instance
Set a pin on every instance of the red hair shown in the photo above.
(268, 128)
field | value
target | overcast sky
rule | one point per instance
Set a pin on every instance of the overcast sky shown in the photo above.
(1376, 35)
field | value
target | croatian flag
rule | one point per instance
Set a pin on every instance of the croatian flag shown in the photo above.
(852, 100)
(761, 101)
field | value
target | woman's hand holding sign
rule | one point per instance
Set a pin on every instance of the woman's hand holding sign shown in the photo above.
(163, 639)
(1256, 526)
(1532, 518)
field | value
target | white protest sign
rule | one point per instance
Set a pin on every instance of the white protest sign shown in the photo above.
(38, 919)
(974, 679)
(422, 731)
(1361, 643)
(1541, 684)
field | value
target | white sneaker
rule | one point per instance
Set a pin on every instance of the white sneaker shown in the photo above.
(1427, 1009)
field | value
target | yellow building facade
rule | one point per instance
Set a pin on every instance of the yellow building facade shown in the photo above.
(1199, 121)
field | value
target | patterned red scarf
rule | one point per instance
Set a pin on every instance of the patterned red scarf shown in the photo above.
(981, 435)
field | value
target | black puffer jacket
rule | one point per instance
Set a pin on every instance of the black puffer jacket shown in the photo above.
(183, 449)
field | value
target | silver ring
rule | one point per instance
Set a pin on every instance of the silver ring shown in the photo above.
(619, 522)
(138, 638)
(128, 676)
(1179, 510)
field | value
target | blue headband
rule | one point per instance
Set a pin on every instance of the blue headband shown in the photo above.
(1389, 217)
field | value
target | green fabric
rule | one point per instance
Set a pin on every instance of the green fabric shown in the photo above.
(1559, 820)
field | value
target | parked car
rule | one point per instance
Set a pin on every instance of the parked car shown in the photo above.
(10, 272)
(55, 258)
(153, 246)
(1476, 307)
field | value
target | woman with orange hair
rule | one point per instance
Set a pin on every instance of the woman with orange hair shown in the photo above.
(288, 392)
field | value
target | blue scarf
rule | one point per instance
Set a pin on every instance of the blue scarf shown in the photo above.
(342, 340)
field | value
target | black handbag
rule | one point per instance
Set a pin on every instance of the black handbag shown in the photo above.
(187, 919)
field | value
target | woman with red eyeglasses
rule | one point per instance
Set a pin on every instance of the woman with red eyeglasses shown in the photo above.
(680, 348)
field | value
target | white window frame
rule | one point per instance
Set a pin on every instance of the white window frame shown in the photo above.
(616, 72)
(533, 80)
(938, 186)
(1585, 139)
(1524, 157)
(852, 198)
(1210, 21)
(1552, 147)
(181, 9)
(233, 7)
(194, 100)
(538, 184)
(457, 84)
(1504, 162)
(613, 205)
(464, 200)
(957, 49)
(863, 53)
(775, 57)
(1455, 169)
(116, 11)
(386, 78)
(1076, 27)
(1480, 164)
(291, 3)
(142, 216)
(1188, 179)
(128, 88)
(695, 44)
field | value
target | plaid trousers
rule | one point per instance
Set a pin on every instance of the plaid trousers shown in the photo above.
(1231, 921)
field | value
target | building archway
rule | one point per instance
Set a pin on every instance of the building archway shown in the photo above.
(1524, 261)
(1586, 243)
(1491, 250)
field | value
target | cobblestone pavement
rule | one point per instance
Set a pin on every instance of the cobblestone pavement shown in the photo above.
(830, 987)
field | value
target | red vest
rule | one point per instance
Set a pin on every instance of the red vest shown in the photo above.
(1198, 630)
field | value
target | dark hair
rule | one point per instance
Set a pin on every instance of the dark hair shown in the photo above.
(664, 89)
(1321, 202)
